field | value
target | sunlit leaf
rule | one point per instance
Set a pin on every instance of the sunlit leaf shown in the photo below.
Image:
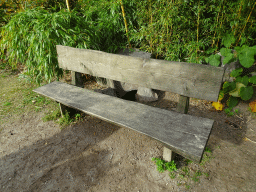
(217, 105)
(253, 106)
(236, 91)
(246, 57)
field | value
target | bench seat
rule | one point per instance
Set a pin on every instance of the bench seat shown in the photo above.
(182, 133)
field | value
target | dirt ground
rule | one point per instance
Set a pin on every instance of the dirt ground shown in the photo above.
(93, 155)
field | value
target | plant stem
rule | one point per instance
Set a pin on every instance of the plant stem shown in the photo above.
(246, 22)
(68, 5)
(125, 22)
(197, 31)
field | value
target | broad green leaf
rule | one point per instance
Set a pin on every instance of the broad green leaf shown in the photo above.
(253, 80)
(236, 91)
(229, 86)
(229, 58)
(236, 72)
(225, 51)
(244, 80)
(214, 60)
(232, 102)
(246, 93)
(246, 57)
(228, 40)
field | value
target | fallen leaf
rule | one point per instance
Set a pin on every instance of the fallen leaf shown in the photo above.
(217, 105)
(253, 106)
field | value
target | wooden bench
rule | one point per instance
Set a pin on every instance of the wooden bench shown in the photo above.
(179, 132)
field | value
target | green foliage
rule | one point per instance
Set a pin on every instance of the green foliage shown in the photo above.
(242, 86)
(228, 40)
(189, 30)
(246, 56)
(196, 176)
(163, 165)
(246, 93)
(65, 120)
(31, 38)
(252, 80)
(214, 60)
(53, 115)
(107, 20)
(236, 72)
(232, 102)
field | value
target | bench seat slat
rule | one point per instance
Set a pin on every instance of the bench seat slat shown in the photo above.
(184, 134)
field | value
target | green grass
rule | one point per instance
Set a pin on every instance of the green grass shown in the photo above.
(188, 173)
(17, 97)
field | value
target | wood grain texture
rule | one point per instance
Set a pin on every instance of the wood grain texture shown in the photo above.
(187, 79)
(184, 134)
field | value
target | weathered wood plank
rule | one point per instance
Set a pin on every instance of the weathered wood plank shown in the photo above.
(187, 79)
(185, 134)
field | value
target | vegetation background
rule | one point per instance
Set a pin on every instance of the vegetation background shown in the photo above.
(177, 30)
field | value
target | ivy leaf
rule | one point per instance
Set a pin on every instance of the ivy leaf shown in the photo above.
(246, 93)
(232, 102)
(244, 80)
(229, 58)
(252, 79)
(228, 40)
(214, 60)
(225, 51)
(236, 72)
(246, 57)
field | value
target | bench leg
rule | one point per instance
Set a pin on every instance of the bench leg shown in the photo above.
(64, 109)
(168, 155)
(77, 81)
(183, 104)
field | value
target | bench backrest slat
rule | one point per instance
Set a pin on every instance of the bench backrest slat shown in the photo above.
(188, 79)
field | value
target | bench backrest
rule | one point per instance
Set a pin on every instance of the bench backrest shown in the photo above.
(187, 79)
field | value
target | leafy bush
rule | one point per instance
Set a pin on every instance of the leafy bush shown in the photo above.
(184, 30)
(31, 37)
(106, 17)
(242, 86)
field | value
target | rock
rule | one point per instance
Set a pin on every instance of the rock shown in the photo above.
(146, 95)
